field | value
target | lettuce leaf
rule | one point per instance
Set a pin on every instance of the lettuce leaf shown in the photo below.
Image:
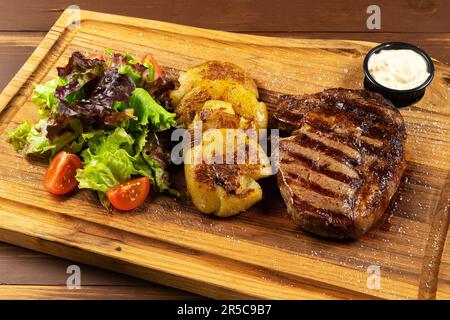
(109, 160)
(140, 140)
(149, 112)
(18, 136)
(109, 111)
(31, 140)
(127, 69)
(141, 73)
(151, 71)
(106, 161)
(97, 108)
(109, 52)
(160, 176)
(67, 140)
(105, 170)
(114, 157)
(44, 96)
(81, 69)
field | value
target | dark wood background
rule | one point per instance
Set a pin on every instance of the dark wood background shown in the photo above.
(23, 23)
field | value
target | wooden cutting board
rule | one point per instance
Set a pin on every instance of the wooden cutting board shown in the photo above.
(260, 253)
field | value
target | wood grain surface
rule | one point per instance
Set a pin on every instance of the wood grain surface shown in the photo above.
(246, 15)
(22, 30)
(16, 47)
(105, 292)
(259, 254)
(31, 275)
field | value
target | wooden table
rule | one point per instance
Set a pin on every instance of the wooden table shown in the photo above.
(26, 274)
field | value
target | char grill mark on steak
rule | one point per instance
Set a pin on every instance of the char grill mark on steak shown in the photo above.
(343, 159)
(313, 143)
(319, 163)
(332, 218)
(299, 158)
(316, 187)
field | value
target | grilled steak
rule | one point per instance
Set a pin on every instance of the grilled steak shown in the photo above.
(342, 161)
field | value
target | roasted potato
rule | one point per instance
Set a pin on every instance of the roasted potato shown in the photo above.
(212, 71)
(245, 104)
(222, 168)
(217, 114)
(218, 81)
(225, 189)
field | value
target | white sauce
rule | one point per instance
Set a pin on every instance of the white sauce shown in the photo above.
(400, 69)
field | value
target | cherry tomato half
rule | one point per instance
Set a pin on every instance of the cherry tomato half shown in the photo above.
(60, 176)
(158, 71)
(129, 195)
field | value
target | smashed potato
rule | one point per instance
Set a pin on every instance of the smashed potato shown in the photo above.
(221, 170)
(217, 114)
(212, 71)
(225, 189)
(218, 81)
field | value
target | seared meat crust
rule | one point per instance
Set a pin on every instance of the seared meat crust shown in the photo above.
(342, 161)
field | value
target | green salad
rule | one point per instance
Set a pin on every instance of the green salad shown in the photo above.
(100, 124)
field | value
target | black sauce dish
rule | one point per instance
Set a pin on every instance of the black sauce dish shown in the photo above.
(400, 98)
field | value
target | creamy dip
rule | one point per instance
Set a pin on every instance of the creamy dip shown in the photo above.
(400, 69)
